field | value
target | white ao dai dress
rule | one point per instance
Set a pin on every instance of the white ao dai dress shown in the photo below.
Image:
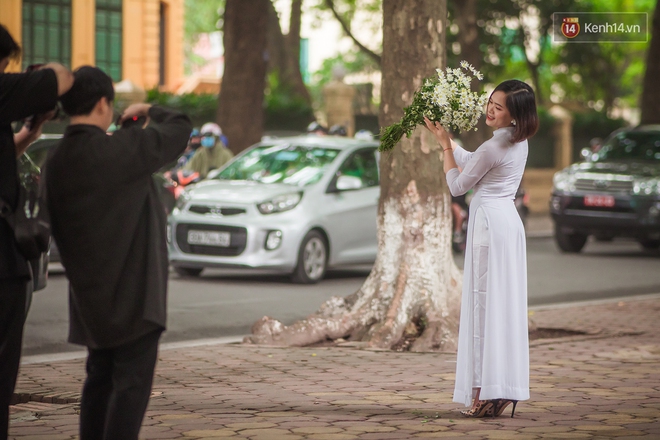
(493, 346)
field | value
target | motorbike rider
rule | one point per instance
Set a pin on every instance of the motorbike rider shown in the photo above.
(193, 144)
(213, 152)
(316, 129)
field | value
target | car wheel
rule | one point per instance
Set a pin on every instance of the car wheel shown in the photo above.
(312, 259)
(573, 242)
(650, 245)
(188, 271)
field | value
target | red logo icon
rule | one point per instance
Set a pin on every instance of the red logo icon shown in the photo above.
(570, 27)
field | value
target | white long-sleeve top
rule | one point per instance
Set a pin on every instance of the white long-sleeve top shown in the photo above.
(496, 167)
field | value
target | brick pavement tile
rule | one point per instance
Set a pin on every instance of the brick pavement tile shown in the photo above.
(419, 427)
(210, 433)
(568, 435)
(545, 429)
(439, 435)
(381, 435)
(158, 436)
(329, 437)
(54, 436)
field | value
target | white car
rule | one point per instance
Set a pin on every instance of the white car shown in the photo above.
(297, 205)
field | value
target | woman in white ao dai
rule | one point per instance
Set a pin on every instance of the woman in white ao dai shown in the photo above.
(492, 368)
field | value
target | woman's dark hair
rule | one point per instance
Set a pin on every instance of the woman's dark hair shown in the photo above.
(8, 47)
(521, 103)
(90, 84)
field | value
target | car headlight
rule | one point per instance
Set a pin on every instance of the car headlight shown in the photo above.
(183, 200)
(563, 181)
(646, 187)
(280, 203)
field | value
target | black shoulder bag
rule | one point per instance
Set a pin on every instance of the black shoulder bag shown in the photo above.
(30, 221)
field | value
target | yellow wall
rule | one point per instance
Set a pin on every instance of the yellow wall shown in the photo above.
(83, 25)
(141, 38)
(10, 16)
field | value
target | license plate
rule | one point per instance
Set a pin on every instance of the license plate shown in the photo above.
(599, 201)
(209, 238)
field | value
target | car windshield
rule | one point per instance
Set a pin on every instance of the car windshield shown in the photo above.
(639, 145)
(283, 163)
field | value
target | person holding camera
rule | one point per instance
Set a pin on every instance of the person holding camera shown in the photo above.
(22, 95)
(110, 227)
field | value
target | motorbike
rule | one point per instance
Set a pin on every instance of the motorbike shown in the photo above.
(175, 182)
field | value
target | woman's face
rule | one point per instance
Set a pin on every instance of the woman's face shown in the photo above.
(497, 115)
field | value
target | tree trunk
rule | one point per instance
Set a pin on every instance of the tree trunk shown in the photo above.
(413, 290)
(293, 75)
(284, 51)
(468, 38)
(240, 109)
(650, 102)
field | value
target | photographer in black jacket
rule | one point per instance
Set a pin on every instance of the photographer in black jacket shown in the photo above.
(22, 95)
(109, 225)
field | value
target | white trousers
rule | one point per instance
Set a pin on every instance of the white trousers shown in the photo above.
(480, 248)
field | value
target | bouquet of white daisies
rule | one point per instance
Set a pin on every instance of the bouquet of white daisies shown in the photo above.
(445, 97)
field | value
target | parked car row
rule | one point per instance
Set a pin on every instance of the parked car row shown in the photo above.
(614, 193)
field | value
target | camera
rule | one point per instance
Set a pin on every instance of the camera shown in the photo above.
(135, 121)
(56, 115)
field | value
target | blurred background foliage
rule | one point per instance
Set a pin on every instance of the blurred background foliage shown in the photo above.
(598, 83)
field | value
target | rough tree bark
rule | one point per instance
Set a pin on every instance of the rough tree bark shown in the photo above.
(414, 287)
(650, 102)
(240, 109)
(284, 50)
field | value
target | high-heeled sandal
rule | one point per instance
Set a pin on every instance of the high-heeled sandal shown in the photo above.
(483, 408)
(499, 405)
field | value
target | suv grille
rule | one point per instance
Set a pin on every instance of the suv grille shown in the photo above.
(604, 185)
(236, 246)
(217, 210)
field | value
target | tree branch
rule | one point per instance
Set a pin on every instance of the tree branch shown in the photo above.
(373, 55)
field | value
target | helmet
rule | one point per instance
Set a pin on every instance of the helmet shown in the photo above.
(195, 132)
(337, 130)
(316, 127)
(364, 135)
(211, 128)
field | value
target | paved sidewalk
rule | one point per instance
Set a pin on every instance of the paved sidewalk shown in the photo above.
(603, 383)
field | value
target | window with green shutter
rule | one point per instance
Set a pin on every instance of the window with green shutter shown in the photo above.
(108, 37)
(46, 32)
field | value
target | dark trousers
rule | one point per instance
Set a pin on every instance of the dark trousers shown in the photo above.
(12, 318)
(117, 389)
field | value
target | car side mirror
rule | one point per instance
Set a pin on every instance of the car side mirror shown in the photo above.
(345, 183)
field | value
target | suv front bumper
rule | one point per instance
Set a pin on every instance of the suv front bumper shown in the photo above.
(634, 216)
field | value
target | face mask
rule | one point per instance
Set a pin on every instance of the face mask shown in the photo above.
(208, 142)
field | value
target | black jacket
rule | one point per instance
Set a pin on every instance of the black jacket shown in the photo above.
(21, 95)
(109, 225)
